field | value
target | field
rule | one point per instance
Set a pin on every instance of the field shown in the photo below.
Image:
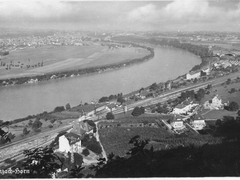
(233, 47)
(46, 59)
(115, 140)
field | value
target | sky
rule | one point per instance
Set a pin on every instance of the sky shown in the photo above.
(161, 15)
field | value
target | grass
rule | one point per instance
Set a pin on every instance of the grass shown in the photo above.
(218, 114)
(223, 93)
(62, 58)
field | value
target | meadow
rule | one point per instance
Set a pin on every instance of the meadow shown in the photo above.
(46, 59)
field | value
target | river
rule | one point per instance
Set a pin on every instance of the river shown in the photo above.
(28, 99)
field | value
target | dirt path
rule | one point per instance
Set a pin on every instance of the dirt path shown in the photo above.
(98, 139)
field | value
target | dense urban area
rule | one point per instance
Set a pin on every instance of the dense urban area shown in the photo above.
(185, 127)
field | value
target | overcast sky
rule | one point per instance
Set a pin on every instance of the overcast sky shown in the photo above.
(219, 15)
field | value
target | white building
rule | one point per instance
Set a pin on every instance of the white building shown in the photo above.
(215, 103)
(193, 75)
(184, 109)
(177, 125)
(64, 145)
(198, 124)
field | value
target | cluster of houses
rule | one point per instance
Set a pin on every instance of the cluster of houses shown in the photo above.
(197, 74)
(224, 61)
(189, 110)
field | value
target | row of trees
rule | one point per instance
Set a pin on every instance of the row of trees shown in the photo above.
(192, 95)
(109, 98)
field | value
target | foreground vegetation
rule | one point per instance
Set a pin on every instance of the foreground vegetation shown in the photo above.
(143, 160)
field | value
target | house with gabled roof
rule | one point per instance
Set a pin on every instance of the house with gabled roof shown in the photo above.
(176, 122)
(72, 139)
(198, 123)
(214, 103)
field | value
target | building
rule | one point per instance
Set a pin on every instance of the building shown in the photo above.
(214, 103)
(198, 122)
(176, 122)
(193, 75)
(184, 108)
(207, 70)
(71, 141)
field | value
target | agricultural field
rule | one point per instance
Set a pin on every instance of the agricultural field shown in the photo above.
(46, 59)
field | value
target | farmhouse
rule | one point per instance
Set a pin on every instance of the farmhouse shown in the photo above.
(215, 103)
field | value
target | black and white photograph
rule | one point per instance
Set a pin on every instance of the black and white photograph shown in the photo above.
(119, 89)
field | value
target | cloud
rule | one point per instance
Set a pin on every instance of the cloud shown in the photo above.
(34, 9)
(185, 13)
(134, 14)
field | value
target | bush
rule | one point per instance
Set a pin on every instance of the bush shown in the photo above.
(109, 116)
(50, 126)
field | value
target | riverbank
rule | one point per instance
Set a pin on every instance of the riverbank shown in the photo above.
(78, 72)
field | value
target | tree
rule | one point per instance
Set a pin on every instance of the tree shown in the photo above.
(103, 99)
(203, 73)
(228, 81)
(153, 87)
(120, 99)
(85, 152)
(36, 124)
(59, 109)
(200, 94)
(25, 131)
(41, 162)
(137, 111)
(68, 107)
(109, 116)
(233, 106)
